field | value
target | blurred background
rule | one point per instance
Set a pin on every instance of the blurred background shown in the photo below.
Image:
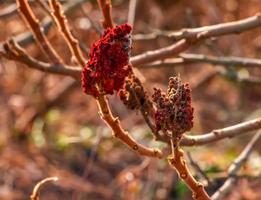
(48, 127)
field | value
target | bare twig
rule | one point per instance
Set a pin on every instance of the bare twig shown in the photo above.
(27, 37)
(220, 134)
(225, 61)
(197, 35)
(185, 58)
(61, 22)
(29, 17)
(105, 7)
(11, 50)
(219, 29)
(7, 11)
(234, 168)
(197, 168)
(36, 191)
(132, 11)
(205, 31)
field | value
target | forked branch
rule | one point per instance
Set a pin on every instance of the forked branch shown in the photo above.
(121, 134)
(12, 51)
(29, 17)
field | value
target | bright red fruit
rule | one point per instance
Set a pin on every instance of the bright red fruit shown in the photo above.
(108, 66)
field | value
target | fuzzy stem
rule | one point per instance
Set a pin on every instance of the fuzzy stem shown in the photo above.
(118, 132)
(179, 164)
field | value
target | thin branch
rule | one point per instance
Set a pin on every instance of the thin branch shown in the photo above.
(151, 36)
(235, 27)
(36, 191)
(185, 58)
(11, 50)
(221, 60)
(61, 22)
(105, 7)
(234, 168)
(120, 133)
(161, 53)
(224, 61)
(205, 31)
(195, 35)
(132, 11)
(27, 37)
(29, 17)
(197, 168)
(7, 11)
(220, 134)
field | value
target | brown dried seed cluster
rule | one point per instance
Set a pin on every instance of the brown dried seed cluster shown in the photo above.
(174, 112)
(134, 96)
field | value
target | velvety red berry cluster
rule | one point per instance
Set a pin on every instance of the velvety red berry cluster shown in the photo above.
(108, 64)
(174, 112)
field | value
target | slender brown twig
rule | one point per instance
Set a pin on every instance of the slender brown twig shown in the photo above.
(8, 11)
(36, 191)
(234, 168)
(219, 134)
(29, 17)
(197, 168)
(61, 22)
(185, 58)
(205, 31)
(132, 11)
(200, 34)
(11, 50)
(105, 7)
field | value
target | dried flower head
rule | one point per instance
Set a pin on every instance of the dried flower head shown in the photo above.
(174, 112)
(134, 96)
(108, 64)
